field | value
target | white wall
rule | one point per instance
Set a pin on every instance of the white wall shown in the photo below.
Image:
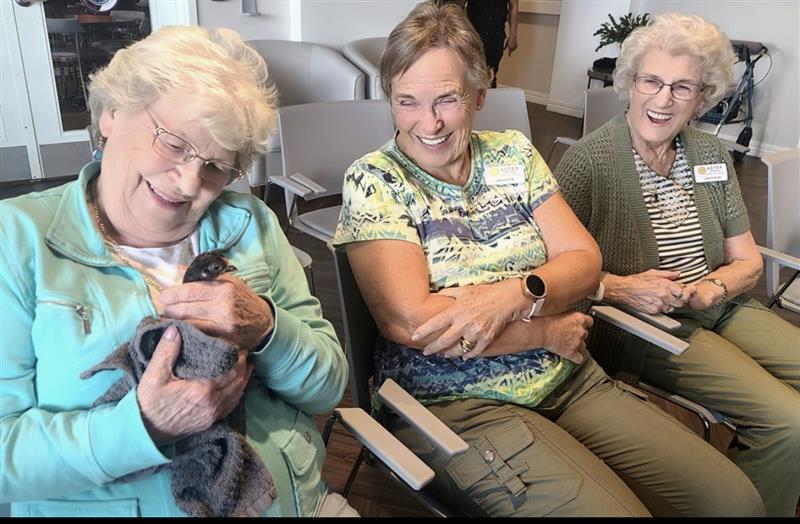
(575, 50)
(531, 65)
(775, 23)
(336, 22)
(273, 22)
(329, 22)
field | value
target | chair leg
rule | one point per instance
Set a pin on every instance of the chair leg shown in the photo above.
(353, 472)
(310, 278)
(550, 153)
(326, 430)
(783, 288)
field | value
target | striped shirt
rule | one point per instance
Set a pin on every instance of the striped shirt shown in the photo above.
(673, 215)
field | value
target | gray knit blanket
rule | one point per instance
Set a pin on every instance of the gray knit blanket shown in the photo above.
(215, 473)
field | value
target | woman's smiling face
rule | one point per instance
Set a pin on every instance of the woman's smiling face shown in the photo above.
(657, 119)
(150, 201)
(434, 105)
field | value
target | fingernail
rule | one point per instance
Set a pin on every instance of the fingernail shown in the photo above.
(171, 333)
(415, 336)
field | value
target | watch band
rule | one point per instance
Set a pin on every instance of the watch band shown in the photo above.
(538, 302)
(530, 314)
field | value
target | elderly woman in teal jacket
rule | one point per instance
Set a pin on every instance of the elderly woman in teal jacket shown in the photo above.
(663, 203)
(179, 115)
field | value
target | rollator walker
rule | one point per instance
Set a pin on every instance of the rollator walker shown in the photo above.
(737, 106)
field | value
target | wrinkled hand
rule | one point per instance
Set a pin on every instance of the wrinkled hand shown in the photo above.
(479, 314)
(566, 334)
(654, 291)
(174, 408)
(706, 295)
(224, 307)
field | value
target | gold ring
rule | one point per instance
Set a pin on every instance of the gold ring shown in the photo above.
(466, 345)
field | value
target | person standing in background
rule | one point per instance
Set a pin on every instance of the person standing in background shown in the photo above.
(489, 17)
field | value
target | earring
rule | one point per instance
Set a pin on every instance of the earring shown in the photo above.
(97, 154)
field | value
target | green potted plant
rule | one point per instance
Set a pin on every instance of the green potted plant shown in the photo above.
(615, 32)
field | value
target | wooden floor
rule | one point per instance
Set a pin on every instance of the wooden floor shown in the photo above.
(373, 494)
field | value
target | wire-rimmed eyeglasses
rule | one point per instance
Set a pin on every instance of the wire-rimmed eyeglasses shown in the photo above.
(683, 90)
(177, 150)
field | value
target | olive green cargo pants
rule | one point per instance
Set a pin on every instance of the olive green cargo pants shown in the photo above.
(744, 362)
(594, 447)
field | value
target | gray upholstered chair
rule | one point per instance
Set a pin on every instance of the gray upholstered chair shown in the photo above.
(599, 106)
(783, 228)
(505, 108)
(366, 55)
(303, 73)
(320, 141)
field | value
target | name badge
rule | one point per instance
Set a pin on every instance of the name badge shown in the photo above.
(504, 174)
(710, 173)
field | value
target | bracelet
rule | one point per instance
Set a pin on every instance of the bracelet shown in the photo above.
(719, 283)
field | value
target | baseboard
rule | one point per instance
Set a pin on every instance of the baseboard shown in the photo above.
(565, 109)
(536, 97)
(757, 149)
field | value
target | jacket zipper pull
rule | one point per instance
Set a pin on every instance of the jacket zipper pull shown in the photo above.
(83, 312)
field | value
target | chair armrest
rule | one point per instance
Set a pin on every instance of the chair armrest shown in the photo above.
(297, 184)
(290, 185)
(781, 258)
(565, 140)
(660, 321)
(640, 328)
(421, 418)
(313, 186)
(386, 447)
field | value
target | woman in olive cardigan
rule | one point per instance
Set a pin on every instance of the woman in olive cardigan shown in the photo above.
(663, 203)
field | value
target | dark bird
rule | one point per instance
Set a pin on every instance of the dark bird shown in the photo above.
(207, 266)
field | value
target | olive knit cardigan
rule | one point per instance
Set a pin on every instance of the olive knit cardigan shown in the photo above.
(598, 178)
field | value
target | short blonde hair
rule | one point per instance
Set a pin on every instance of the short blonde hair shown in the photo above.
(431, 25)
(679, 34)
(228, 81)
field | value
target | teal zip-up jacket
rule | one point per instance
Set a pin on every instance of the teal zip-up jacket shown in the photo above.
(66, 304)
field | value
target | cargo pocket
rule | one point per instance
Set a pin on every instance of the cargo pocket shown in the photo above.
(494, 456)
(304, 453)
(77, 508)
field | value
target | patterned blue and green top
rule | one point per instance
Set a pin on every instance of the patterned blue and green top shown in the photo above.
(479, 233)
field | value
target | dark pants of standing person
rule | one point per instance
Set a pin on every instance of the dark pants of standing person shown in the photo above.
(488, 17)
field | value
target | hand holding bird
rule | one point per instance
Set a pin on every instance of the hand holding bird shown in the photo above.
(217, 303)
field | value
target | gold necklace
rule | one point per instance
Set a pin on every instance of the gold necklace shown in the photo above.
(118, 250)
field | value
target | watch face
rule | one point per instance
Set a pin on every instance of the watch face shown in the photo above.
(535, 285)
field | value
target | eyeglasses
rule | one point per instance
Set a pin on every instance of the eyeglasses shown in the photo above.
(177, 150)
(650, 85)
